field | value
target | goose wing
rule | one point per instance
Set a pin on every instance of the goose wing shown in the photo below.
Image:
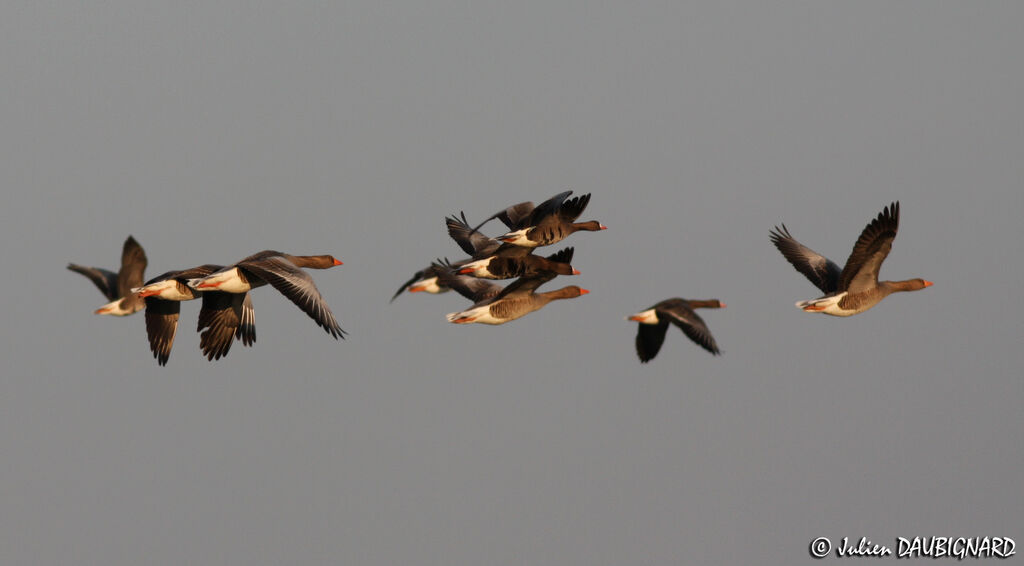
(515, 216)
(692, 325)
(133, 265)
(298, 286)
(416, 277)
(161, 326)
(820, 270)
(571, 209)
(649, 338)
(473, 288)
(222, 317)
(472, 242)
(105, 280)
(861, 271)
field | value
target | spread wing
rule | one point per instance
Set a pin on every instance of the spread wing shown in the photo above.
(563, 255)
(105, 281)
(550, 207)
(861, 271)
(247, 329)
(515, 216)
(821, 271)
(472, 242)
(416, 277)
(571, 209)
(472, 288)
(161, 325)
(221, 319)
(649, 338)
(133, 265)
(298, 286)
(692, 325)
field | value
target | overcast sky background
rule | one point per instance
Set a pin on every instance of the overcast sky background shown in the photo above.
(212, 132)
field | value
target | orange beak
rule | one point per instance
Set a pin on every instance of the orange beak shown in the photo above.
(584, 291)
(928, 283)
(336, 261)
(575, 271)
(103, 310)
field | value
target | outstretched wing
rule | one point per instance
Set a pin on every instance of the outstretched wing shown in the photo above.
(222, 318)
(861, 271)
(573, 208)
(472, 288)
(692, 325)
(133, 266)
(563, 255)
(515, 216)
(161, 326)
(298, 286)
(416, 277)
(820, 270)
(550, 207)
(471, 241)
(649, 338)
(105, 281)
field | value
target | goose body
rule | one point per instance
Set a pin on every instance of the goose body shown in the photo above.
(855, 288)
(654, 324)
(116, 287)
(473, 243)
(223, 316)
(497, 305)
(283, 272)
(508, 266)
(549, 222)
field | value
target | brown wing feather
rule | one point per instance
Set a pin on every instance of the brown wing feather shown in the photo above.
(133, 266)
(105, 280)
(573, 208)
(219, 320)
(474, 289)
(861, 271)
(649, 338)
(161, 326)
(692, 325)
(298, 286)
(820, 270)
(473, 243)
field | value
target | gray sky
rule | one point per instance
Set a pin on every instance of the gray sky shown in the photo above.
(211, 132)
